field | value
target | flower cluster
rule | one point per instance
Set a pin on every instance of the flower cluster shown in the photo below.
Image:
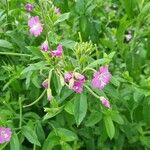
(54, 53)
(5, 135)
(75, 81)
(100, 79)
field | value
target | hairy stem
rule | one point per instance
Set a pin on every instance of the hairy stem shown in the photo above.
(94, 94)
(35, 100)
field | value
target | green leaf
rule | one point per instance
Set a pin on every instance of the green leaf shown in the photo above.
(110, 129)
(117, 118)
(145, 140)
(51, 112)
(121, 31)
(112, 91)
(84, 27)
(69, 107)
(5, 44)
(51, 141)
(80, 108)
(62, 18)
(66, 135)
(14, 143)
(138, 96)
(145, 9)
(80, 7)
(57, 83)
(93, 119)
(65, 146)
(36, 66)
(57, 135)
(68, 43)
(65, 93)
(30, 134)
(130, 6)
(148, 47)
(146, 111)
(40, 132)
(98, 62)
(35, 51)
(115, 81)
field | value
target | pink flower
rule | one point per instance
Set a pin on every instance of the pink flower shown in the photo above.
(45, 84)
(57, 11)
(58, 52)
(68, 76)
(5, 135)
(35, 25)
(79, 76)
(78, 86)
(75, 81)
(105, 102)
(101, 78)
(29, 7)
(44, 46)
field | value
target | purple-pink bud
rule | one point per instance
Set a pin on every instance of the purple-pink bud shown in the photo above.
(29, 7)
(45, 84)
(105, 102)
(44, 46)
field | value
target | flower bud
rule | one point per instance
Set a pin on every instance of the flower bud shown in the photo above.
(29, 7)
(45, 84)
(105, 102)
(44, 46)
(49, 94)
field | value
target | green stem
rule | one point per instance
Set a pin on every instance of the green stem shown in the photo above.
(89, 69)
(20, 107)
(35, 100)
(49, 78)
(3, 146)
(97, 54)
(46, 24)
(15, 54)
(34, 147)
(94, 94)
(80, 37)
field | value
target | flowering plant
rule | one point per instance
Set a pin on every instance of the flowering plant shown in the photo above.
(74, 75)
